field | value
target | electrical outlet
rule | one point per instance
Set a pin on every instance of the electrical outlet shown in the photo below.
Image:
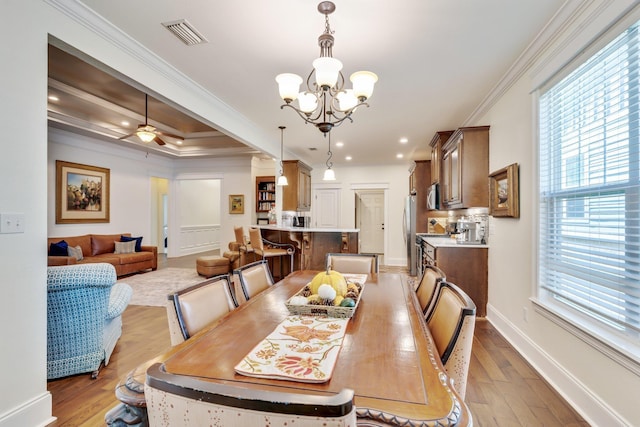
(11, 223)
(525, 314)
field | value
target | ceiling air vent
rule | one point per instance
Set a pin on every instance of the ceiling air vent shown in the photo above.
(183, 30)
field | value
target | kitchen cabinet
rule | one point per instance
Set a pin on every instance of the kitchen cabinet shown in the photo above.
(265, 193)
(464, 265)
(436, 144)
(419, 179)
(465, 169)
(297, 195)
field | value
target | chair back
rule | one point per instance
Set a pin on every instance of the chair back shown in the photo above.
(353, 263)
(254, 278)
(194, 307)
(169, 397)
(255, 239)
(428, 287)
(451, 323)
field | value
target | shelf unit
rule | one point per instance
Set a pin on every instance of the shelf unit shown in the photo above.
(265, 193)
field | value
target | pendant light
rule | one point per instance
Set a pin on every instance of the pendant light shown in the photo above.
(282, 180)
(329, 174)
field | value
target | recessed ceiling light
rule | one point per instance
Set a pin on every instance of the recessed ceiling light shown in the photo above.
(179, 142)
(124, 123)
(403, 140)
(348, 158)
(53, 98)
(399, 156)
(339, 144)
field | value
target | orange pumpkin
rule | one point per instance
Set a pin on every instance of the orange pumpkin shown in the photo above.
(332, 278)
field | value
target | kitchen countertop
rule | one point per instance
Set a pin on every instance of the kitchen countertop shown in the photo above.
(444, 241)
(308, 229)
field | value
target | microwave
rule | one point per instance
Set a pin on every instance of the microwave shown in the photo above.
(433, 197)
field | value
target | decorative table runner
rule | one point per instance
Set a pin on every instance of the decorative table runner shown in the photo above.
(301, 348)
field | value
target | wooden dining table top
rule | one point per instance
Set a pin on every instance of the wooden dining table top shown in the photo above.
(387, 356)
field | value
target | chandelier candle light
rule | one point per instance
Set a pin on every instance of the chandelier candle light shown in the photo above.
(326, 103)
(282, 180)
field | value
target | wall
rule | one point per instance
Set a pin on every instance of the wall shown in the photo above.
(393, 179)
(603, 391)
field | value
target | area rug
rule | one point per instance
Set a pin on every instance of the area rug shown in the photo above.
(153, 287)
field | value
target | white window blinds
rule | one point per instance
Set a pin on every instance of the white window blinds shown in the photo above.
(589, 248)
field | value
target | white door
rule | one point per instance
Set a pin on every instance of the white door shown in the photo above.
(370, 221)
(326, 208)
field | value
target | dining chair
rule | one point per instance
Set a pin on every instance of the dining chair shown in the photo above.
(254, 278)
(171, 397)
(266, 249)
(352, 263)
(451, 323)
(428, 287)
(192, 308)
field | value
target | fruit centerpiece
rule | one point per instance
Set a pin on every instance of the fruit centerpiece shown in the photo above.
(328, 293)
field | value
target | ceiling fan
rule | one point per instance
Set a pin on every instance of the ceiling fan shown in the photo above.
(148, 133)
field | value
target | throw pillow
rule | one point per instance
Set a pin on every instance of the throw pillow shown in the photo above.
(137, 239)
(58, 249)
(125, 247)
(75, 252)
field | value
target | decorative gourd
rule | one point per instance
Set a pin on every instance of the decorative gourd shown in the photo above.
(330, 277)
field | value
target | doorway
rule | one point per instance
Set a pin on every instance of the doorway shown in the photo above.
(369, 219)
(159, 213)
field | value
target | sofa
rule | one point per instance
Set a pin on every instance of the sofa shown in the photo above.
(102, 248)
(84, 317)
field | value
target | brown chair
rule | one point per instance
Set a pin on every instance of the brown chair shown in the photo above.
(192, 308)
(428, 287)
(170, 396)
(254, 278)
(266, 249)
(353, 263)
(452, 322)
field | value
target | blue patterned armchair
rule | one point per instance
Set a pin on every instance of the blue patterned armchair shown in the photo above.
(84, 317)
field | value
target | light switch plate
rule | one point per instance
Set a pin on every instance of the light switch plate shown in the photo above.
(11, 223)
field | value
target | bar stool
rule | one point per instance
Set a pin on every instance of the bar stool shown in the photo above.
(271, 249)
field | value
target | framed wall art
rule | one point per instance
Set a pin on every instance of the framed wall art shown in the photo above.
(504, 199)
(236, 203)
(82, 193)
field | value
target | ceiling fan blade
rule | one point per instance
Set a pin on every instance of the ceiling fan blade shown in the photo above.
(127, 136)
(159, 141)
(169, 135)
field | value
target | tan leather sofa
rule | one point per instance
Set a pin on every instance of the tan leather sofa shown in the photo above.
(101, 248)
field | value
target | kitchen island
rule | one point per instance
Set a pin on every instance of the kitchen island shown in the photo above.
(312, 244)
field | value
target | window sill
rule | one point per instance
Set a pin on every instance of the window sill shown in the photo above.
(618, 349)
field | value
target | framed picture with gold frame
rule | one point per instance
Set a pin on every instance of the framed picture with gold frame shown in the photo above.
(236, 203)
(82, 193)
(503, 192)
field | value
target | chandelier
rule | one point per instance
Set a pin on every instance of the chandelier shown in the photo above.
(326, 103)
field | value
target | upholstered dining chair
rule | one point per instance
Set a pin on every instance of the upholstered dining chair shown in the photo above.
(452, 322)
(428, 287)
(194, 307)
(266, 249)
(353, 263)
(169, 397)
(254, 278)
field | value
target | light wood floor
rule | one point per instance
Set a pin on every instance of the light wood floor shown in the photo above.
(503, 389)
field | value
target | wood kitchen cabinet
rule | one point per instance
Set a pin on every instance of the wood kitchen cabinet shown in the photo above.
(436, 144)
(419, 180)
(466, 267)
(297, 195)
(465, 169)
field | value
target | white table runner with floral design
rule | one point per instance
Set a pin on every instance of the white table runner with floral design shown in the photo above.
(301, 348)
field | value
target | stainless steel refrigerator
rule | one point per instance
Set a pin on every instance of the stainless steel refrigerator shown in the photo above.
(409, 229)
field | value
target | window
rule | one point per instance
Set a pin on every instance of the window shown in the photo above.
(589, 241)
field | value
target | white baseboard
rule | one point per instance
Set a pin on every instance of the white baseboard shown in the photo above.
(587, 404)
(36, 412)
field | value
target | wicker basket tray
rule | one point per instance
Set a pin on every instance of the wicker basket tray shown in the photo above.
(323, 310)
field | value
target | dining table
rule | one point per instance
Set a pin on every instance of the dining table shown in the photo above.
(387, 355)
